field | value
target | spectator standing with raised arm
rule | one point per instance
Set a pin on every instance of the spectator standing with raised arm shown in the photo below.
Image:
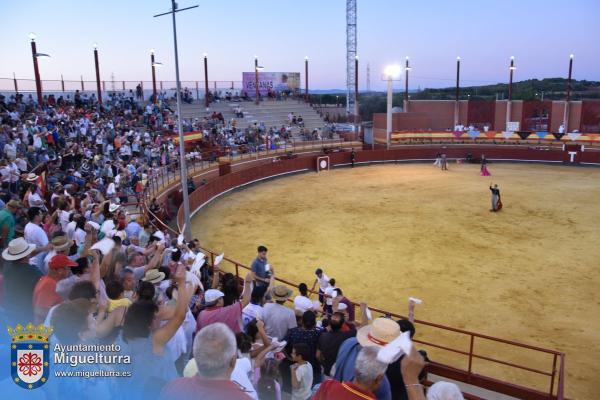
(215, 311)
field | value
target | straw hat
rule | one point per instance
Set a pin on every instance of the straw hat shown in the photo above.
(153, 276)
(381, 332)
(113, 207)
(281, 293)
(31, 177)
(61, 243)
(14, 204)
(17, 248)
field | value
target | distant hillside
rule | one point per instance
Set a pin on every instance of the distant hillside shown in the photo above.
(548, 89)
(551, 88)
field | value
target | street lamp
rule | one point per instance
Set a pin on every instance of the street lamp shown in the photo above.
(457, 94)
(568, 102)
(36, 70)
(390, 72)
(206, 100)
(256, 69)
(306, 79)
(95, 46)
(187, 232)
(406, 69)
(154, 64)
(511, 68)
(356, 92)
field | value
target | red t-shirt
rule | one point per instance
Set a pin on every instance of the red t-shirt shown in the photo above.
(205, 389)
(44, 293)
(230, 316)
(334, 390)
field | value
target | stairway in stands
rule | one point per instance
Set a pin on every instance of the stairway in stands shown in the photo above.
(272, 113)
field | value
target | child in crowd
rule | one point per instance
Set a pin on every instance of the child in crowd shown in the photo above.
(268, 387)
(302, 374)
(116, 295)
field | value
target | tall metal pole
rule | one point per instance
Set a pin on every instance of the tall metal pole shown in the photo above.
(306, 79)
(389, 111)
(184, 184)
(206, 100)
(510, 81)
(154, 96)
(568, 101)
(98, 88)
(351, 40)
(36, 71)
(356, 90)
(256, 78)
(406, 69)
(457, 95)
(182, 164)
(15, 83)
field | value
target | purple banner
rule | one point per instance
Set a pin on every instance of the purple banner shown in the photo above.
(271, 81)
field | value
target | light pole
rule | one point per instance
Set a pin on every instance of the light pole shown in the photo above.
(457, 95)
(256, 101)
(391, 72)
(206, 100)
(36, 70)
(98, 89)
(153, 65)
(306, 79)
(187, 232)
(356, 92)
(510, 81)
(257, 69)
(406, 69)
(568, 102)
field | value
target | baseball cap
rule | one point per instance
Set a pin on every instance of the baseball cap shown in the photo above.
(213, 295)
(61, 261)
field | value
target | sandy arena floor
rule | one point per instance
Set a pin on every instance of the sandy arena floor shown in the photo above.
(530, 273)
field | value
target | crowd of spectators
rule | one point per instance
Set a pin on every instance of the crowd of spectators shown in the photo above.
(74, 259)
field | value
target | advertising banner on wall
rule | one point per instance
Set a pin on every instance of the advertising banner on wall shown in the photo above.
(275, 81)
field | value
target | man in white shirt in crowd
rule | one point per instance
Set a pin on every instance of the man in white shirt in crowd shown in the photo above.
(330, 294)
(323, 281)
(301, 302)
(34, 234)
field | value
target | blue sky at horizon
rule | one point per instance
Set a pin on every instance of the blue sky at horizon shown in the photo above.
(540, 34)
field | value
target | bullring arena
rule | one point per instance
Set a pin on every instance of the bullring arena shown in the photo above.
(387, 231)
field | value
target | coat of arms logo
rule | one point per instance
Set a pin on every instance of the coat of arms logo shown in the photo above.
(30, 355)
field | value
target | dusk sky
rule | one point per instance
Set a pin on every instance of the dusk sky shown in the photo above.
(540, 34)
